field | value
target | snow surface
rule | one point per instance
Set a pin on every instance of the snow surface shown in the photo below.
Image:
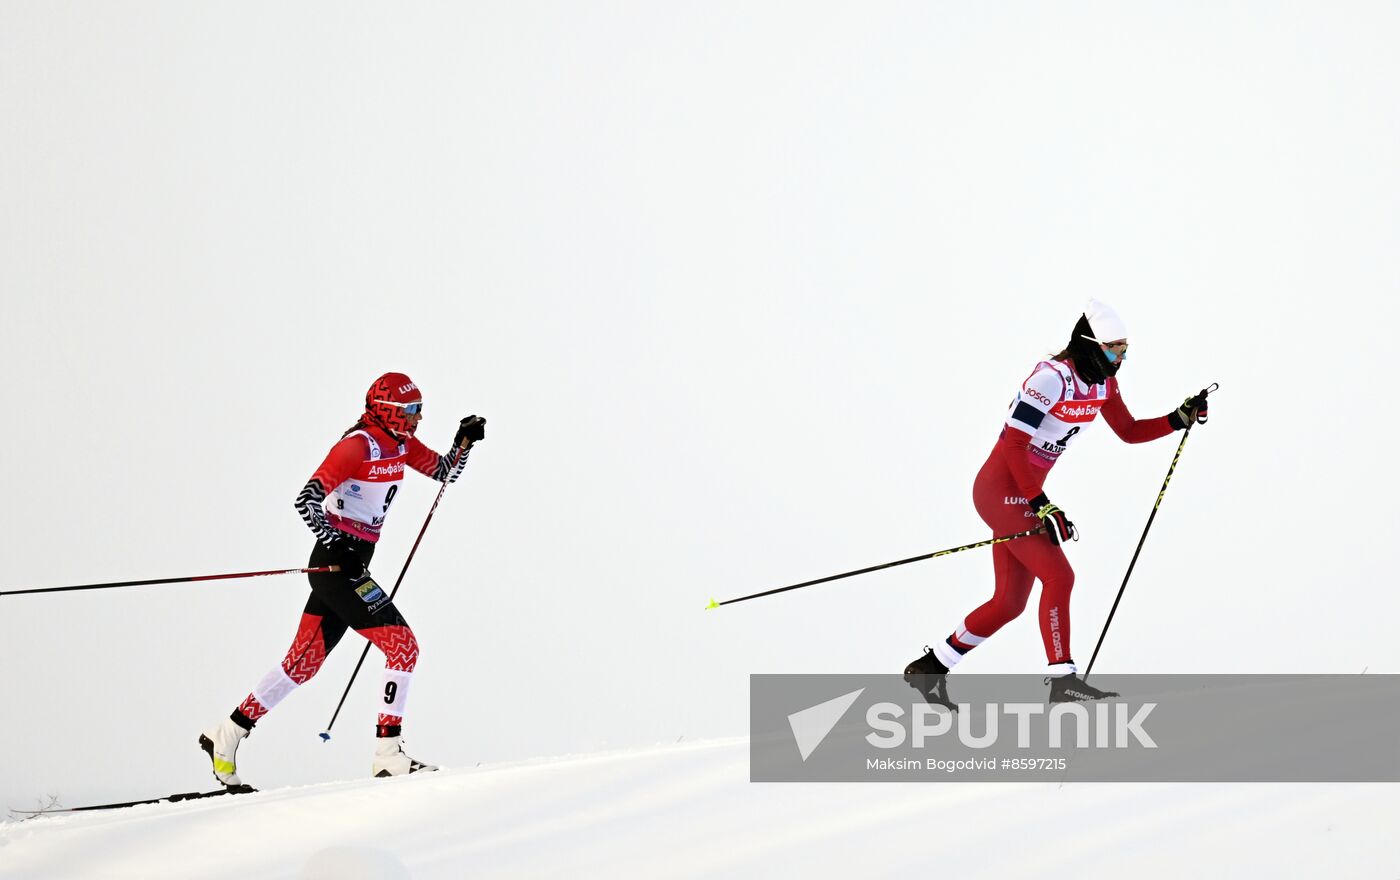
(688, 810)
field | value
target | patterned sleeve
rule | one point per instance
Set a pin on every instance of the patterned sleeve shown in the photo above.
(443, 468)
(339, 465)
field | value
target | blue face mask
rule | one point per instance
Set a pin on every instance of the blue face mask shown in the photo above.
(1111, 355)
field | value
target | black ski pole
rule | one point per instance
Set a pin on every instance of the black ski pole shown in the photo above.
(1171, 470)
(837, 577)
(175, 580)
(326, 734)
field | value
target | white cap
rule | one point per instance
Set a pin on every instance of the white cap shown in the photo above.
(1104, 322)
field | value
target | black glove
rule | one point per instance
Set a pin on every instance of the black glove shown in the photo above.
(472, 429)
(1057, 525)
(344, 555)
(1192, 410)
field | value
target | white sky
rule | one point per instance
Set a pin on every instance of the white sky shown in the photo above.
(744, 290)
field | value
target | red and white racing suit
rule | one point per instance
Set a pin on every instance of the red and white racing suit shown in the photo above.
(352, 489)
(1052, 408)
(347, 499)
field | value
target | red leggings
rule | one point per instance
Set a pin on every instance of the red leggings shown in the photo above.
(1018, 565)
(332, 608)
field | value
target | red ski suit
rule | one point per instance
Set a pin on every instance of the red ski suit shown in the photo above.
(1053, 401)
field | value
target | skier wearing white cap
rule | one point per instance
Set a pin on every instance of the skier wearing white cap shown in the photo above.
(1060, 398)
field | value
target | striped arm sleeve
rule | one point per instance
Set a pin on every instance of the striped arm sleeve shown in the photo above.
(310, 504)
(339, 464)
(450, 466)
(443, 468)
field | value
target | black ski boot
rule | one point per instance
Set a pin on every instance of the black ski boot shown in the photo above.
(929, 676)
(1072, 689)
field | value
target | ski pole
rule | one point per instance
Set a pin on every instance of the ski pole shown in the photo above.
(177, 580)
(836, 577)
(326, 734)
(1175, 458)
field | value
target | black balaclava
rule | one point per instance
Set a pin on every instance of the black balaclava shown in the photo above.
(1089, 360)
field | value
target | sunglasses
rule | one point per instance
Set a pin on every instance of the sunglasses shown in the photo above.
(411, 409)
(1116, 347)
(1112, 350)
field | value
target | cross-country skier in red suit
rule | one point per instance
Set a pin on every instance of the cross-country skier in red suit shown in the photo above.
(1059, 399)
(345, 504)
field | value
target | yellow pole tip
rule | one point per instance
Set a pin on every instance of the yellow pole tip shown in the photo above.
(713, 604)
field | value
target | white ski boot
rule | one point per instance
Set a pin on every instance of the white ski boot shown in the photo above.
(220, 743)
(391, 760)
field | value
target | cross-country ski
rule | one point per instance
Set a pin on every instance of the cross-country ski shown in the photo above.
(170, 798)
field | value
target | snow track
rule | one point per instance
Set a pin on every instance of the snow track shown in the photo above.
(689, 811)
